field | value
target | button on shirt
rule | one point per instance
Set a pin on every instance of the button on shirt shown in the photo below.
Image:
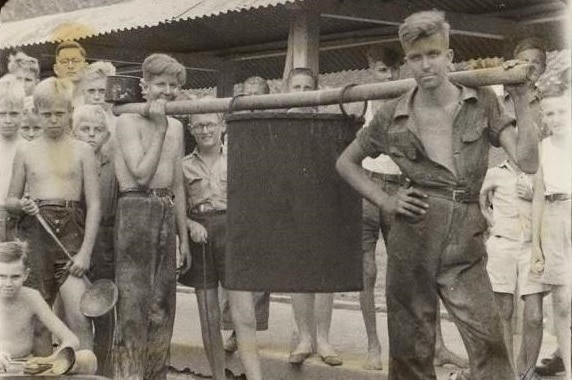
(478, 122)
(512, 215)
(205, 186)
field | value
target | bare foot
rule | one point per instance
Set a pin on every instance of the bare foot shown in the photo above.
(373, 362)
(445, 356)
(328, 355)
(301, 353)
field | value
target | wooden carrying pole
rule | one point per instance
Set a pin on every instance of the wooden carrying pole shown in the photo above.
(386, 90)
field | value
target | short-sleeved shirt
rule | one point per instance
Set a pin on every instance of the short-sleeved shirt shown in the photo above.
(478, 123)
(382, 163)
(556, 162)
(205, 186)
(512, 215)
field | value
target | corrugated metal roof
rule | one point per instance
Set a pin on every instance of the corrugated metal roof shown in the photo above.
(130, 15)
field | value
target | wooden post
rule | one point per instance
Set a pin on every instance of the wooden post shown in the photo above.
(303, 42)
(226, 78)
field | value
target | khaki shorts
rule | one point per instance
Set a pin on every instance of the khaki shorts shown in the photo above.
(508, 266)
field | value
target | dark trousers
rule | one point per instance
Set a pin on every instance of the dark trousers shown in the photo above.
(103, 267)
(442, 256)
(145, 277)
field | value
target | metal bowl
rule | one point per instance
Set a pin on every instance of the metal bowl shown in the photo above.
(123, 89)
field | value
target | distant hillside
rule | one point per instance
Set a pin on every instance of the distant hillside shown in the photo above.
(14, 10)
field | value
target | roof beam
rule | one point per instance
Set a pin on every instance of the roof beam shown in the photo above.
(393, 13)
(530, 10)
(191, 61)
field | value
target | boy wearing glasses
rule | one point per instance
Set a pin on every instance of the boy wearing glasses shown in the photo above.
(204, 173)
(150, 213)
(70, 61)
(61, 178)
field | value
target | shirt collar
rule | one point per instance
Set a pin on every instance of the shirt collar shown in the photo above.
(404, 103)
(223, 150)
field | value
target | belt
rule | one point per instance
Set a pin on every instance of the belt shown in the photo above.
(455, 195)
(394, 178)
(556, 197)
(205, 209)
(146, 193)
(58, 203)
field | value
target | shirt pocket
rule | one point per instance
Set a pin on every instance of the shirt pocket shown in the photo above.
(473, 132)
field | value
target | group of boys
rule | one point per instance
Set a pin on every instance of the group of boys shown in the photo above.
(523, 258)
(128, 203)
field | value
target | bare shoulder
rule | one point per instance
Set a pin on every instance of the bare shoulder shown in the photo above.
(175, 128)
(83, 148)
(129, 121)
(31, 297)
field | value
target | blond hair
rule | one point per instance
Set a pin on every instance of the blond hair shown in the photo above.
(22, 61)
(91, 112)
(423, 24)
(12, 90)
(53, 88)
(159, 64)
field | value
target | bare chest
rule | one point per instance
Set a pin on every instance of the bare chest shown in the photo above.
(53, 165)
(435, 127)
(16, 326)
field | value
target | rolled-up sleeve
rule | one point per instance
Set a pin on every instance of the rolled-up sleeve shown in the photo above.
(499, 117)
(372, 138)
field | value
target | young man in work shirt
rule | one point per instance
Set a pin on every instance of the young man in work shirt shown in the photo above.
(439, 135)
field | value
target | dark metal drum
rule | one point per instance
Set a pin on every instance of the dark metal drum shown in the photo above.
(293, 224)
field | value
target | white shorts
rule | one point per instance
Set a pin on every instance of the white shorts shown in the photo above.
(508, 266)
(556, 243)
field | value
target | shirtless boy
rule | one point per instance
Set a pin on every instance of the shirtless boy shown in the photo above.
(61, 176)
(151, 211)
(11, 108)
(439, 134)
(90, 126)
(20, 306)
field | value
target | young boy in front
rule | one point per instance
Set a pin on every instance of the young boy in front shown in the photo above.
(21, 307)
(61, 178)
(11, 108)
(90, 126)
(151, 211)
(506, 203)
(551, 261)
(439, 134)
